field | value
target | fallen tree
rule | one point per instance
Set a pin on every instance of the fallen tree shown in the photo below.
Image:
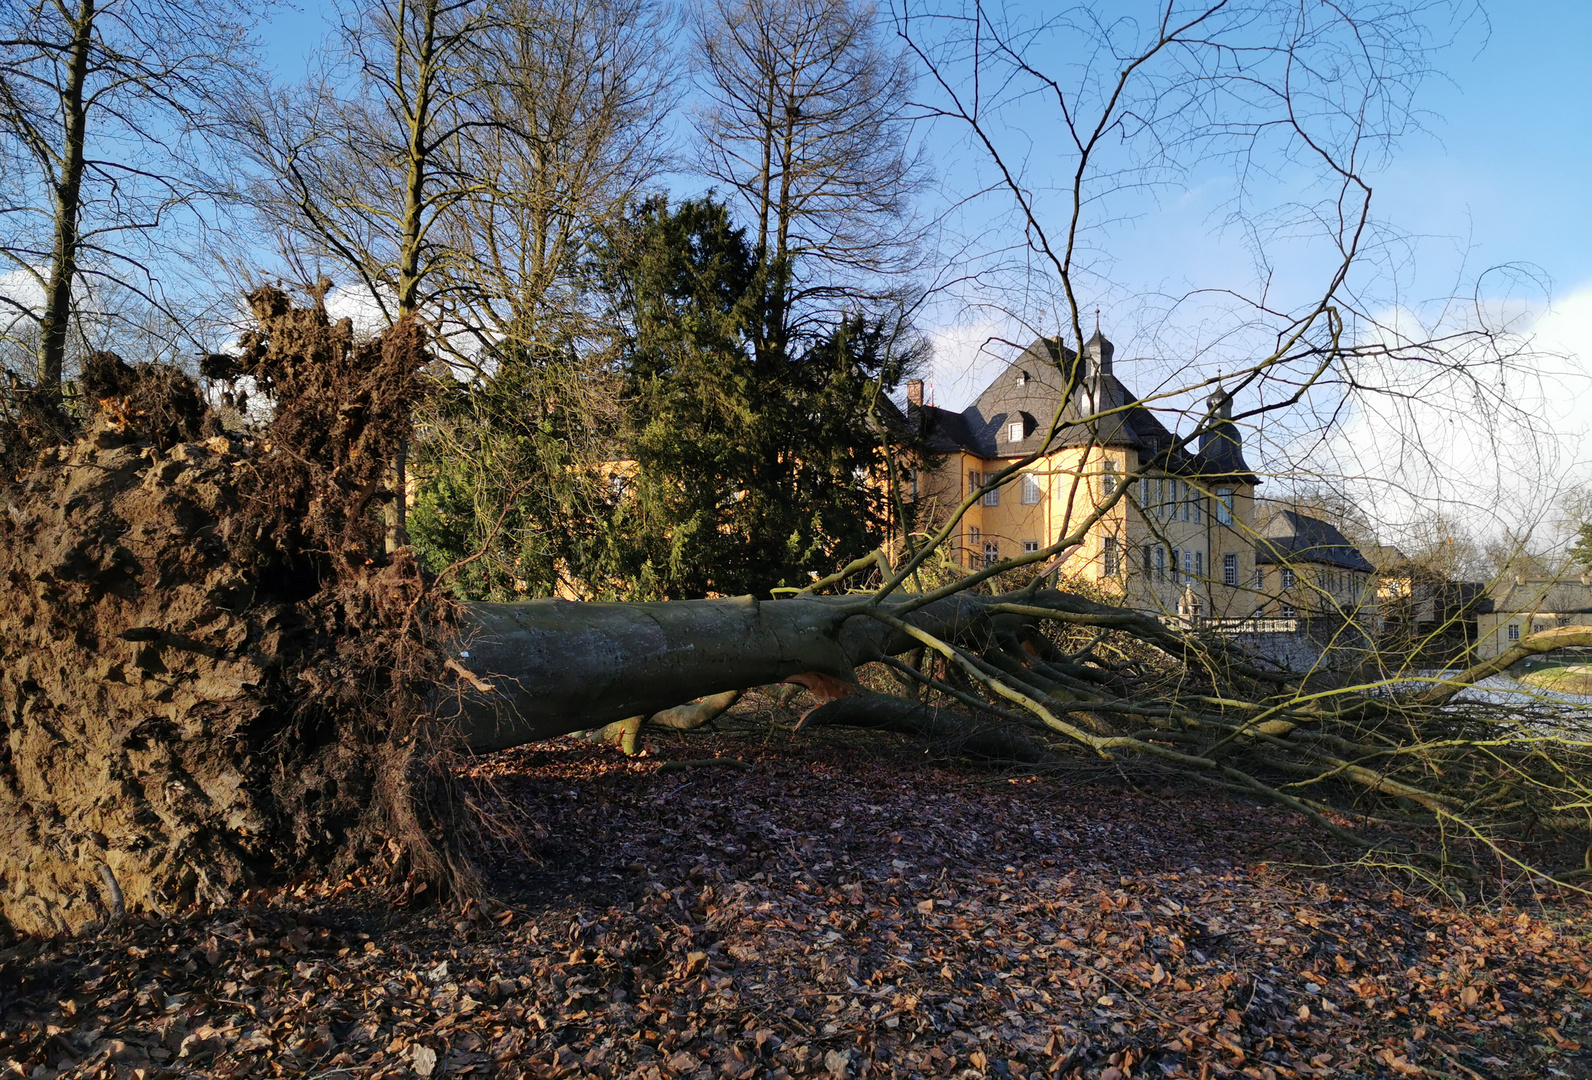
(1383, 764)
(215, 678)
(545, 668)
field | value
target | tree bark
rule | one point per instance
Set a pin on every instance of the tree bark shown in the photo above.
(68, 209)
(549, 667)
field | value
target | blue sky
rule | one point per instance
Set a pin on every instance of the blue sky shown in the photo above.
(1497, 177)
(1505, 167)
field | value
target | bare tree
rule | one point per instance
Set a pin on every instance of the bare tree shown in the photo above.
(101, 102)
(356, 168)
(576, 129)
(806, 121)
(452, 165)
(456, 170)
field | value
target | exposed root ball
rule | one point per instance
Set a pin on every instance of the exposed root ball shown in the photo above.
(211, 676)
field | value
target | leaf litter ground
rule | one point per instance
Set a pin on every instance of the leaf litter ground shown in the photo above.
(845, 907)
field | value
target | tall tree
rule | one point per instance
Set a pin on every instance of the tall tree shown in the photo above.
(355, 169)
(751, 470)
(456, 164)
(805, 121)
(100, 103)
(575, 129)
(456, 175)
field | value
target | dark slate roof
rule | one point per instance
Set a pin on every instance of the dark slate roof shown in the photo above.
(1030, 389)
(1292, 537)
(1221, 453)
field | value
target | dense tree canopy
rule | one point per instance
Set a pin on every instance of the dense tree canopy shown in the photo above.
(750, 467)
(692, 463)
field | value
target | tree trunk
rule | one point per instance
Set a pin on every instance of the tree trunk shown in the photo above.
(68, 208)
(549, 667)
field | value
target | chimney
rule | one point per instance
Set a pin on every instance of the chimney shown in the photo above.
(915, 393)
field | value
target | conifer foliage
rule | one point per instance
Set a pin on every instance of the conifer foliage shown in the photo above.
(685, 456)
(753, 464)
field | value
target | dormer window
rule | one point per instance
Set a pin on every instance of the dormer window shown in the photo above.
(1014, 431)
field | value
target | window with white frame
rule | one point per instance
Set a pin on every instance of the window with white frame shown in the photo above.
(1030, 547)
(1289, 578)
(1224, 508)
(992, 553)
(1031, 490)
(1108, 478)
(1286, 611)
(1188, 497)
(1188, 567)
(975, 480)
(1514, 631)
(972, 545)
(1109, 557)
(1199, 564)
(1014, 431)
(1199, 500)
(1260, 577)
(1160, 564)
(992, 497)
(1230, 569)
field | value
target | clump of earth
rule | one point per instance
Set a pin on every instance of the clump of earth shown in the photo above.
(213, 676)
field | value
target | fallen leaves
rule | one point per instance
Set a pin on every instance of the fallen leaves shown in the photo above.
(840, 911)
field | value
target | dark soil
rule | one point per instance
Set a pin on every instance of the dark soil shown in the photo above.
(210, 671)
(846, 907)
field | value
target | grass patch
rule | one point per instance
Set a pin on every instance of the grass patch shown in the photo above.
(1562, 676)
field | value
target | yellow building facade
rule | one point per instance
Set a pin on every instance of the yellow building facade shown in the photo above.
(1168, 524)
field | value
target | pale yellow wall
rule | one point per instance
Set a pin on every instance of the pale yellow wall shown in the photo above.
(1072, 485)
(1492, 631)
(1321, 590)
(1163, 512)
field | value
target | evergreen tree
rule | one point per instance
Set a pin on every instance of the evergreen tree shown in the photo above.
(753, 467)
(1581, 550)
(513, 500)
(679, 458)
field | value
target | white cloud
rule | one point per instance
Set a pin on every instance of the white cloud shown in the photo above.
(23, 288)
(358, 306)
(967, 356)
(1493, 429)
